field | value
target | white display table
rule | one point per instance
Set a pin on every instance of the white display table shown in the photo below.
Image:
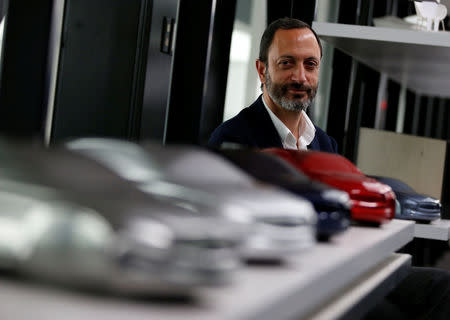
(327, 281)
(435, 230)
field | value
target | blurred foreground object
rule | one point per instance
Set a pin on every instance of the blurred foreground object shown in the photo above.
(282, 224)
(68, 220)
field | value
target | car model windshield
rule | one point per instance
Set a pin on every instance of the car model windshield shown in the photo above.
(397, 185)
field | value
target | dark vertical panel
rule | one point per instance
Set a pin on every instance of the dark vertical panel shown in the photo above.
(158, 73)
(368, 11)
(278, 9)
(405, 8)
(445, 194)
(25, 49)
(416, 114)
(355, 114)
(191, 52)
(372, 79)
(447, 22)
(392, 105)
(342, 65)
(380, 9)
(435, 118)
(447, 120)
(429, 117)
(439, 118)
(96, 77)
(303, 10)
(409, 112)
(422, 116)
(217, 70)
(200, 70)
(364, 12)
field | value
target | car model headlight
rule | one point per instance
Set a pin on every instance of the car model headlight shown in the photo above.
(144, 242)
(150, 233)
(336, 195)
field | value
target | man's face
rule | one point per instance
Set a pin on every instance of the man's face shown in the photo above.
(291, 76)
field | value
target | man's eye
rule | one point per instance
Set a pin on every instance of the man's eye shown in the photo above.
(285, 63)
(311, 64)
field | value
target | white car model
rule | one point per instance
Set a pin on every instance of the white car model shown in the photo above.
(283, 224)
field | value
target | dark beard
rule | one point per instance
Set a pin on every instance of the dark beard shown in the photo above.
(278, 93)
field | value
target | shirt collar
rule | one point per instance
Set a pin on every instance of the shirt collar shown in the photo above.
(307, 131)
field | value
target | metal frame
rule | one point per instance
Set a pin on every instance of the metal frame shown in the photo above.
(157, 72)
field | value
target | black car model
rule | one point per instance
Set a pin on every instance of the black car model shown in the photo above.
(332, 205)
(413, 206)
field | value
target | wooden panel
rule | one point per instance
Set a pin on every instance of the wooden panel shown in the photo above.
(417, 161)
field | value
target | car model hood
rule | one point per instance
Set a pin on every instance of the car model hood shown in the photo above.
(194, 165)
(264, 201)
(416, 197)
(349, 182)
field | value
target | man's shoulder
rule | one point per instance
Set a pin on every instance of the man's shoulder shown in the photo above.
(320, 131)
(248, 113)
(239, 120)
(238, 128)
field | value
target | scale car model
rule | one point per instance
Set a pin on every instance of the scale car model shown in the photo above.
(331, 205)
(83, 177)
(144, 246)
(282, 224)
(372, 201)
(413, 206)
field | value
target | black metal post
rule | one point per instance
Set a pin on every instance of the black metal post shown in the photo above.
(200, 70)
(25, 50)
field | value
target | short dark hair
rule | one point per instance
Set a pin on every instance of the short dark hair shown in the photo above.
(285, 24)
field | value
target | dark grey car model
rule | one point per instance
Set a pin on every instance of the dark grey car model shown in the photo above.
(413, 206)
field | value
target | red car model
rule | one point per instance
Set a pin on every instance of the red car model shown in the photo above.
(372, 201)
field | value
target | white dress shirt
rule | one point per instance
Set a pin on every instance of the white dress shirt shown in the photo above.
(306, 131)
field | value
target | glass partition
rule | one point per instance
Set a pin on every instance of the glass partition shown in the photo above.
(243, 83)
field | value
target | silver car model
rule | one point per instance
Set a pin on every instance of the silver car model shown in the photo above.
(283, 224)
(141, 247)
(81, 176)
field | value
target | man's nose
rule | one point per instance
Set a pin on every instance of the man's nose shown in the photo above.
(298, 74)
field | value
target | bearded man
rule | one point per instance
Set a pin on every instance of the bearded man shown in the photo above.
(288, 67)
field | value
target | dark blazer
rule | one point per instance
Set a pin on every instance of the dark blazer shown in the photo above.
(253, 127)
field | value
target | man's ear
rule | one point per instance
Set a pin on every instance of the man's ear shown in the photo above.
(261, 68)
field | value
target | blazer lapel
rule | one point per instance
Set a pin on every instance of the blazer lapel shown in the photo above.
(265, 132)
(314, 145)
